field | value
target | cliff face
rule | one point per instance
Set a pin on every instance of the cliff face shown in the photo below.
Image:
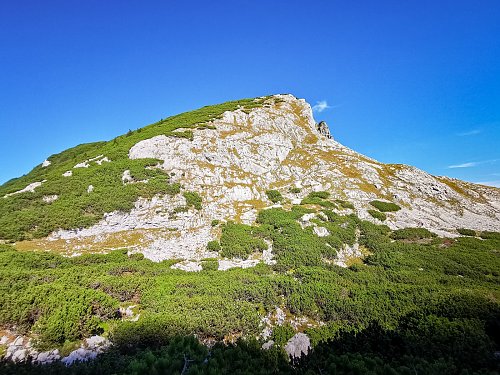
(233, 160)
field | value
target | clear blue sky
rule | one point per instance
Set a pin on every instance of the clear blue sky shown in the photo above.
(415, 82)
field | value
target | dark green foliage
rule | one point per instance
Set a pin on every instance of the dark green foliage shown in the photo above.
(210, 264)
(345, 204)
(377, 215)
(466, 232)
(213, 246)
(215, 223)
(319, 198)
(283, 333)
(319, 194)
(274, 196)
(421, 306)
(412, 234)
(385, 206)
(295, 190)
(239, 240)
(193, 199)
(490, 235)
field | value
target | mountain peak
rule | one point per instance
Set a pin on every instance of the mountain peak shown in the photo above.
(158, 190)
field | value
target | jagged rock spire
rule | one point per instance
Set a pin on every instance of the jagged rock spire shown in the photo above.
(323, 129)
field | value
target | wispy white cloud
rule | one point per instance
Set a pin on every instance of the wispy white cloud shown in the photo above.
(469, 133)
(489, 183)
(320, 106)
(472, 163)
(464, 165)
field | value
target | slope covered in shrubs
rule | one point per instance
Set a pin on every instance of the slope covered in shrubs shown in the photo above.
(432, 305)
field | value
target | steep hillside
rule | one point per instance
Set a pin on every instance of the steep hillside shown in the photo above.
(294, 245)
(158, 189)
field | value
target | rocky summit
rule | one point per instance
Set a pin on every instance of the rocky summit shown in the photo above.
(229, 165)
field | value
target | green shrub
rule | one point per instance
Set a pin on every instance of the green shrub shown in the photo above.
(193, 199)
(466, 232)
(318, 198)
(295, 190)
(210, 265)
(213, 246)
(239, 240)
(385, 206)
(319, 194)
(412, 234)
(377, 215)
(274, 196)
(281, 334)
(317, 201)
(215, 222)
(490, 235)
(345, 204)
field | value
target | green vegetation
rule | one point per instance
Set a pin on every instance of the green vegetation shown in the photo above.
(274, 196)
(490, 235)
(412, 234)
(466, 232)
(239, 240)
(193, 199)
(210, 264)
(281, 334)
(295, 190)
(319, 194)
(26, 215)
(345, 204)
(378, 215)
(318, 198)
(213, 246)
(385, 206)
(416, 303)
(431, 305)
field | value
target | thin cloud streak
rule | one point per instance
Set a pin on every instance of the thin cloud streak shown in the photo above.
(472, 164)
(469, 133)
(320, 106)
(464, 165)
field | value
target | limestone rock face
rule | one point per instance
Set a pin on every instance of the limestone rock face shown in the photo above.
(298, 345)
(279, 145)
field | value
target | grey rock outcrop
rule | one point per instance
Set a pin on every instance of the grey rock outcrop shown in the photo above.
(324, 130)
(298, 345)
